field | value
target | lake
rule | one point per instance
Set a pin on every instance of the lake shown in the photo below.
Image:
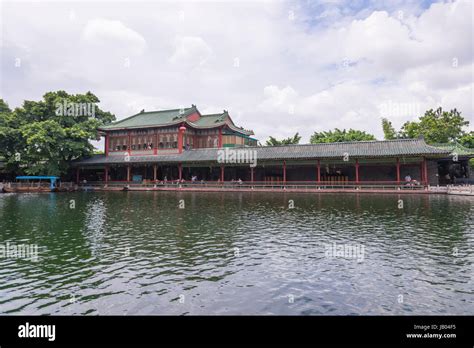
(140, 253)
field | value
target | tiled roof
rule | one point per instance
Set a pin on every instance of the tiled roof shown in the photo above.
(358, 149)
(211, 120)
(152, 118)
(175, 117)
(456, 148)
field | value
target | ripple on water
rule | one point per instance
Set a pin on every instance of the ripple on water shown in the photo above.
(236, 253)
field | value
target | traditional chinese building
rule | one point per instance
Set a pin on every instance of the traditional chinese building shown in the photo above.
(172, 131)
(179, 144)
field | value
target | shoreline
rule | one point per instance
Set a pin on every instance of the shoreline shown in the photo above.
(458, 191)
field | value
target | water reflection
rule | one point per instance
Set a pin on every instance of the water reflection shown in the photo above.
(95, 225)
(137, 253)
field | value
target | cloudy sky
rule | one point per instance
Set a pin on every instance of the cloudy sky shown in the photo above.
(278, 67)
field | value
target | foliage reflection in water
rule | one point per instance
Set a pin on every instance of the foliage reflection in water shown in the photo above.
(237, 253)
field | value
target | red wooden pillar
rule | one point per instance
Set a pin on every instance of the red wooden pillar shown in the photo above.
(319, 171)
(398, 170)
(222, 173)
(106, 174)
(181, 131)
(154, 171)
(357, 170)
(284, 171)
(155, 145)
(251, 174)
(180, 171)
(220, 137)
(422, 177)
(128, 172)
(425, 170)
(106, 144)
(129, 143)
(78, 170)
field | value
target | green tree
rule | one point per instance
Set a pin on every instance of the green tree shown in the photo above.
(42, 137)
(388, 130)
(339, 136)
(10, 136)
(288, 141)
(467, 140)
(436, 126)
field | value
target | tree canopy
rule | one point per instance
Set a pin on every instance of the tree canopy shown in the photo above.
(339, 136)
(467, 140)
(436, 126)
(287, 141)
(388, 130)
(42, 137)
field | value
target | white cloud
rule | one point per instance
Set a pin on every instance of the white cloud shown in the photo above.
(327, 66)
(113, 33)
(190, 51)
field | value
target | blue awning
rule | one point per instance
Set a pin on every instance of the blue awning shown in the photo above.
(52, 178)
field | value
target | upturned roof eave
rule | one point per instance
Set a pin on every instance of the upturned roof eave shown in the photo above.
(187, 112)
(191, 124)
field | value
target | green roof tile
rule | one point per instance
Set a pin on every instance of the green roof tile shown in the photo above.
(357, 149)
(173, 117)
(151, 118)
(210, 120)
(456, 148)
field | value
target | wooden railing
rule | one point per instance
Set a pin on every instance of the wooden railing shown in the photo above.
(305, 185)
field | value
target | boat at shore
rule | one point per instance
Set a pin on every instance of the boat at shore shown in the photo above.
(33, 189)
(27, 184)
